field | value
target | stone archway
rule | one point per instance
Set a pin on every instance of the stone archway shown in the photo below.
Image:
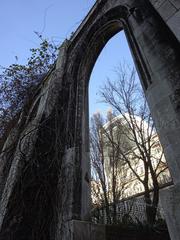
(155, 47)
(153, 51)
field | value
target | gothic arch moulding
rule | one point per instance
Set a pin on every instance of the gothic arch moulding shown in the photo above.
(63, 110)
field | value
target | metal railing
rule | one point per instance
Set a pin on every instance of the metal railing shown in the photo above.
(131, 211)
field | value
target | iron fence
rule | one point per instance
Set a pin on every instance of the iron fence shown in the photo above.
(127, 211)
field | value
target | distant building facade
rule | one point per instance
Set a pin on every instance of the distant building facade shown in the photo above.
(127, 183)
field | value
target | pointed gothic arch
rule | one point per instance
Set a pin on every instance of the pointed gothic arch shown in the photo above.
(154, 43)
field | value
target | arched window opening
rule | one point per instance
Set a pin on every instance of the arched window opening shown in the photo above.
(121, 132)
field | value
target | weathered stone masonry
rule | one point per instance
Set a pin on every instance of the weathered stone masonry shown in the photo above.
(47, 182)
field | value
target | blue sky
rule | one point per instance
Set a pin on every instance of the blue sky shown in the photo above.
(115, 52)
(55, 19)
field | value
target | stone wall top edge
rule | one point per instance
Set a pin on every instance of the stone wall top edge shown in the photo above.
(89, 14)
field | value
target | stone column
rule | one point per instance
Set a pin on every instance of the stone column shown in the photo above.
(158, 63)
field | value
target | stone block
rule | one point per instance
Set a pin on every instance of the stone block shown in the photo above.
(170, 200)
(165, 116)
(157, 3)
(88, 231)
(176, 3)
(81, 230)
(98, 232)
(157, 91)
(166, 10)
(174, 24)
(173, 163)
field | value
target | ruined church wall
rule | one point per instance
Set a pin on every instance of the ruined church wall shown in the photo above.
(169, 10)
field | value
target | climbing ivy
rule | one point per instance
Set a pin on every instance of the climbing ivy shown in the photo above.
(18, 81)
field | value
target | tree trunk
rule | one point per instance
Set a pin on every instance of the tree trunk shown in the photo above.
(151, 205)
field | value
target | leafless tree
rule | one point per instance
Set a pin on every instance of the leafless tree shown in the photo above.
(107, 189)
(136, 138)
